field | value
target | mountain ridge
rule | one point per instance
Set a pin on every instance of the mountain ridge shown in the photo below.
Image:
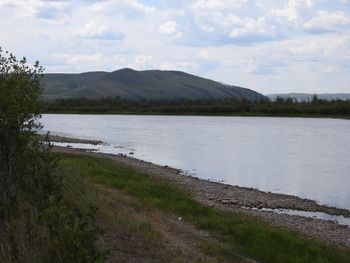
(131, 84)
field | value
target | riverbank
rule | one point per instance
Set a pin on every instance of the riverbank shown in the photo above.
(152, 219)
(238, 199)
(61, 139)
(306, 116)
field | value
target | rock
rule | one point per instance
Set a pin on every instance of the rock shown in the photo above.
(179, 218)
(131, 153)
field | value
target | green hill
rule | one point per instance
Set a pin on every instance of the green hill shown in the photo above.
(130, 84)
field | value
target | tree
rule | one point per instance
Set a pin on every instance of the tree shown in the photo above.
(19, 112)
(315, 99)
(39, 221)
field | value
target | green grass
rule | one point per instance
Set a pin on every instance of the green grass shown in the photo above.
(245, 235)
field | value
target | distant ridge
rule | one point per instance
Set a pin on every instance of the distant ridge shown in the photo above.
(130, 84)
(303, 97)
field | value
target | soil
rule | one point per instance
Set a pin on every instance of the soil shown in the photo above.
(172, 240)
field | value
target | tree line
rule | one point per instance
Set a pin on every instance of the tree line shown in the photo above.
(229, 106)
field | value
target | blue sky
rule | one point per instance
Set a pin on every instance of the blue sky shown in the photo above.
(271, 46)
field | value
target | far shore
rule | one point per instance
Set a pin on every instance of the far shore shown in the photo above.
(247, 201)
(306, 116)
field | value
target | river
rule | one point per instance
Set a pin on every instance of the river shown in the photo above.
(305, 157)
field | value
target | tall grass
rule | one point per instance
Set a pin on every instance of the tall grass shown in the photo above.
(62, 229)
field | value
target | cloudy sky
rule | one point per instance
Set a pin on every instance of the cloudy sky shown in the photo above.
(267, 45)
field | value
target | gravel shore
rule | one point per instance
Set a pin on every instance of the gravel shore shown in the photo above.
(56, 138)
(238, 199)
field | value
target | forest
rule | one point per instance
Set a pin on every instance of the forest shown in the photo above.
(280, 107)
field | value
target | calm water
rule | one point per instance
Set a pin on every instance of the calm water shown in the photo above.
(304, 157)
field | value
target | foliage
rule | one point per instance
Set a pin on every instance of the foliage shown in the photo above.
(60, 228)
(40, 221)
(253, 239)
(19, 111)
(280, 107)
(70, 219)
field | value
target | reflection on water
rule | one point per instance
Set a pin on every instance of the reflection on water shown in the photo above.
(303, 157)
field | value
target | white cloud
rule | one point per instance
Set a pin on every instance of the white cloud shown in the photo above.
(331, 69)
(91, 62)
(95, 30)
(169, 28)
(250, 28)
(52, 11)
(325, 21)
(141, 62)
(292, 11)
(219, 23)
(218, 4)
(300, 48)
(206, 61)
(204, 54)
(122, 7)
(260, 68)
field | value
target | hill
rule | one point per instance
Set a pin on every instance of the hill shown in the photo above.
(130, 84)
(304, 97)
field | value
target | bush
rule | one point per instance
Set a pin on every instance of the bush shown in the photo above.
(42, 217)
(60, 228)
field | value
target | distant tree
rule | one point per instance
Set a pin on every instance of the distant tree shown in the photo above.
(315, 99)
(289, 100)
(279, 100)
(19, 111)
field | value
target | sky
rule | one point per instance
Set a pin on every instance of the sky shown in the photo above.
(270, 46)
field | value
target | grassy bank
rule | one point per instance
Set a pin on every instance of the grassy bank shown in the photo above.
(236, 237)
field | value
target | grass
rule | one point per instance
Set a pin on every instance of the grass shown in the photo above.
(241, 235)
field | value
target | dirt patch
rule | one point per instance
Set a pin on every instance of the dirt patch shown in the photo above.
(136, 234)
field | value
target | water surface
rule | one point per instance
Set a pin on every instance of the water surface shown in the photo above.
(309, 158)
